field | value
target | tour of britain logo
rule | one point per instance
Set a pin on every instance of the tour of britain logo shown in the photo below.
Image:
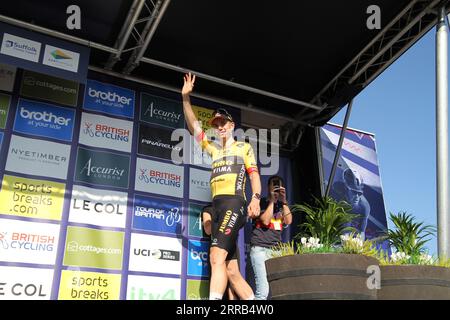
(109, 99)
(44, 120)
(106, 132)
(159, 215)
(102, 168)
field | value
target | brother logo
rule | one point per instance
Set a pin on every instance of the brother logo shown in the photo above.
(195, 255)
(44, 116)
(109, 96)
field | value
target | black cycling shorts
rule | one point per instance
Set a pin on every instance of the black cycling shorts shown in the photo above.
(228, 218)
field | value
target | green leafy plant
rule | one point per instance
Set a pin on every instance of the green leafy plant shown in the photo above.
(326, 220)
(354, 244)
(408, 238)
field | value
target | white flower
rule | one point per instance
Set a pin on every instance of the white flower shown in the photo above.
(311, 240)
(303, 240)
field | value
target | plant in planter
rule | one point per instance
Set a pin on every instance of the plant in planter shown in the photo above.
(410, 272)
(326, 260)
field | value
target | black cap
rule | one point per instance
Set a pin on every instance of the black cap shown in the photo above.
(220, 113)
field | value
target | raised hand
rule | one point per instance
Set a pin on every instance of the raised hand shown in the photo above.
(188, 86)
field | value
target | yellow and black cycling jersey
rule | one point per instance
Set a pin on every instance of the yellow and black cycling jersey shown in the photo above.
(229, 166)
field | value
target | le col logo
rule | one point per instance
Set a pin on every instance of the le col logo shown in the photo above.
(170, 217)
(99, 207)
(47, 117)
(109, 96)
(23, 289)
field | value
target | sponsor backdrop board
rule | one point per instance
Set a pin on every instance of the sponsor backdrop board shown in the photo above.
(91, 205)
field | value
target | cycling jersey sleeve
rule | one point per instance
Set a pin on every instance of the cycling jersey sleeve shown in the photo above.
(202, 139)
(249, 159)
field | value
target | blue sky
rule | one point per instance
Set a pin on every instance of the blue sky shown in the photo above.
(399, 108)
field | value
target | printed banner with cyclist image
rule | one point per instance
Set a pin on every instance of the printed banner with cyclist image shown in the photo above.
(357, 180)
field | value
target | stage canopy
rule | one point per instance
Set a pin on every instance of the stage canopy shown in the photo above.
(284, 63)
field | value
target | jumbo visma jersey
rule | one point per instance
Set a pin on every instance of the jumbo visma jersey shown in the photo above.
(229, 166)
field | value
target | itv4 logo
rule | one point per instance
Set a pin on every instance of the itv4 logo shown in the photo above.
(142, 294)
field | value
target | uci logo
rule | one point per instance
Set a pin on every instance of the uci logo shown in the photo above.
(195, 255)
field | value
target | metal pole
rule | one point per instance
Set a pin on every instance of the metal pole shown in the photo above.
(230, 83)
(124, 35)
(443, 220)
(339, 148)
(159, 10)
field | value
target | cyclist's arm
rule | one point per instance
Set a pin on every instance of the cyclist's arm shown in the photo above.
(191, 120)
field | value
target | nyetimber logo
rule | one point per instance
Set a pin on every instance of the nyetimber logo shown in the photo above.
(105, 131)
(109, 96)
(44, 116)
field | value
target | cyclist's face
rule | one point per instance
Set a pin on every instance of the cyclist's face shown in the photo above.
(354, 196)
(224, 128)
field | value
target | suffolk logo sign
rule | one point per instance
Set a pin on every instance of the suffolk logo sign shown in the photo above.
(98, 207)
(109, 99)
(102, 168)
(160, 178)
(44, 120)
(105, 132)
(31, 198)
(21, 48)
(29, 242)
(61, 58)
(162, 111)
(38, 157)
(159, 215)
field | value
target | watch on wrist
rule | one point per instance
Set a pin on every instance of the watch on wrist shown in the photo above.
(256, 196)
